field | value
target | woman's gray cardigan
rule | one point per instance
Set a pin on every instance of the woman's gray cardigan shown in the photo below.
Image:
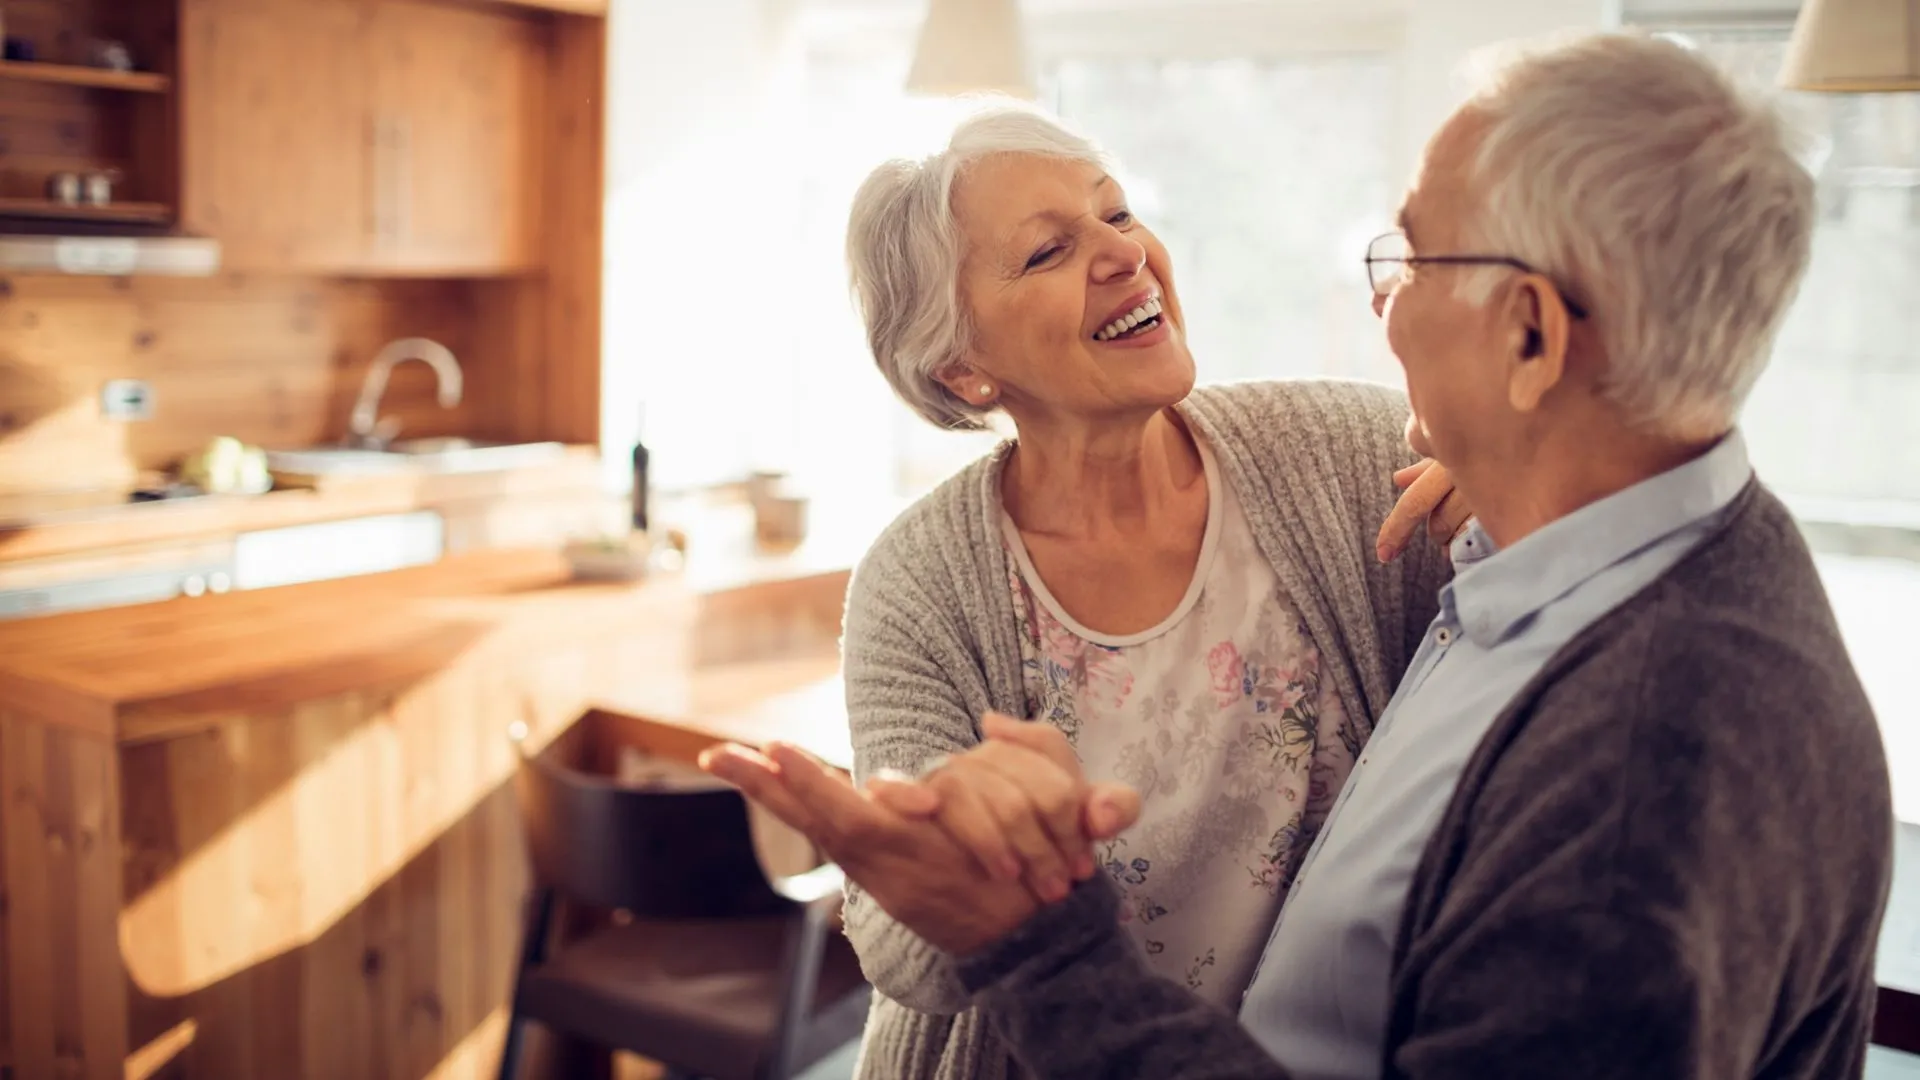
(931, 643)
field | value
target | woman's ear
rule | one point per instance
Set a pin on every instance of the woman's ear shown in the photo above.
(1539, 360)
(968, 383)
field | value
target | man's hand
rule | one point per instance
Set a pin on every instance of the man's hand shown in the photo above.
(1428, 497)
(1019, 803)
(911, 868)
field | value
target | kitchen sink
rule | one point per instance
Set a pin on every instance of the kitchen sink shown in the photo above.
(439, 455)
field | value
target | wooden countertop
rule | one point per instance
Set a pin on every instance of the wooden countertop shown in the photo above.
(120, 672)
(36, 528)
(801, 702)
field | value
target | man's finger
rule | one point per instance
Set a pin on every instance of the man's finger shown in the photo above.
(760, 780)
(1410, 514)
(1043, 739)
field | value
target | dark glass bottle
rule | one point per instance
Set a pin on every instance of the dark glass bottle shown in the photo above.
(639, 485)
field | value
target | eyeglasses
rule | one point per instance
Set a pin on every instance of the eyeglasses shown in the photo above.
(1389, 255)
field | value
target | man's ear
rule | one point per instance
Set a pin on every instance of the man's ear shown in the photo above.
(1539, 350)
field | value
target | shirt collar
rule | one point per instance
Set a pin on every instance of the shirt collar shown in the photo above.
(1494, 590)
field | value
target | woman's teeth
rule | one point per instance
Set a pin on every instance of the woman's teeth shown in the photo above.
(1145, 317)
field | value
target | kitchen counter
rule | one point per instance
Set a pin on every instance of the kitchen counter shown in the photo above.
(144, 671)
(35, 527)
(136, 672)
(273, 833)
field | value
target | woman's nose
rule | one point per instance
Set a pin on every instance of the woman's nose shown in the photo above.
(1120, 257)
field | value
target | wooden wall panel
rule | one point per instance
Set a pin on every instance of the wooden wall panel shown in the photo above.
(270, 361)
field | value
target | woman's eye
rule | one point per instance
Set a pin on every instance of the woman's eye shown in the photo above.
(1121, 219)
(1043, 255)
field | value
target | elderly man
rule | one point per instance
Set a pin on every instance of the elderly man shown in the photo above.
(1628, 814)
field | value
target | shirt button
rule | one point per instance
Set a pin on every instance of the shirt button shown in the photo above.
(1443, 636)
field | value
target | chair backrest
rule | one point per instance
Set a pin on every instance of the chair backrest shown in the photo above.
(658, 854)
(1896, 1020)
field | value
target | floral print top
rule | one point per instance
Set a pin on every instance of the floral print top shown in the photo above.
(1217, 718)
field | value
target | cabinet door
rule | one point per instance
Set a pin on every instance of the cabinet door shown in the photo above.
(457, 149)
(274, 126)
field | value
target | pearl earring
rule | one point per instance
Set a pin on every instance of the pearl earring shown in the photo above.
(986, 389)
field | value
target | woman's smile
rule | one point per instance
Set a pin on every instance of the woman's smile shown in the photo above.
(1139, 321)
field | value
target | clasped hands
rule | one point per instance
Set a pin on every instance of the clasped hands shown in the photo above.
(962, 855)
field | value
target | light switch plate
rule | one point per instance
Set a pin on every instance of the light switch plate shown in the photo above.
(126, 399)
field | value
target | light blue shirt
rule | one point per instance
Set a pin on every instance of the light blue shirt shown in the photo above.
(1318, 1002)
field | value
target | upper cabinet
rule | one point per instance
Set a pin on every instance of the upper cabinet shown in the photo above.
(364, 136)
(275, 154)
(457, 154)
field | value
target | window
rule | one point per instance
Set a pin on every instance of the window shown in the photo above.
(1265, 179)
(1831, 423)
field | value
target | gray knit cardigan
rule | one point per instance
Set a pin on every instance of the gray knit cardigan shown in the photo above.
(931, 642)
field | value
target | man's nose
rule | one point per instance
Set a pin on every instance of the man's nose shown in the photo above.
(1380, 305)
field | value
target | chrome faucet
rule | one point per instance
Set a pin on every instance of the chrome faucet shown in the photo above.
(365, 429)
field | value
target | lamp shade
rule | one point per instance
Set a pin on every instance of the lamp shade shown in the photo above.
(971, 46)
(1855, 46)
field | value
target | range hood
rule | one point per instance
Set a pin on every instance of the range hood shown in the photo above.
(76, 247)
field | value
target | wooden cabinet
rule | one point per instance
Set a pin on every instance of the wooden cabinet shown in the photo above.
(364, 136)
(274, 132)
(457, 146)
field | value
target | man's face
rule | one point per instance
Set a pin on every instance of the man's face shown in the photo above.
(1454, 352)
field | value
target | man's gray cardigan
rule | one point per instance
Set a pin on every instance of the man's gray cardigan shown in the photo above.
(1668, 858)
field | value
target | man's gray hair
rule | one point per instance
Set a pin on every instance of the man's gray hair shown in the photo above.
(1664, 198)
(904, 249)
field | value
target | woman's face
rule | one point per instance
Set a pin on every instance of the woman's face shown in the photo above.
(1072, 299)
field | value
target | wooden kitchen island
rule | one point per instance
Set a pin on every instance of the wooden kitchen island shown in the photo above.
(272, 834)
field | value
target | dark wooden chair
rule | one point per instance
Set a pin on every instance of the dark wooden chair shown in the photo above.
(1896, 1020)
(705, 965)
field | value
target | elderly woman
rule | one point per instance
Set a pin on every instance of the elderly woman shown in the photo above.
(1183, 581)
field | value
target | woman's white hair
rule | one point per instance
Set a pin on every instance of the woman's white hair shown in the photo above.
(1661, 196)
(904, 249)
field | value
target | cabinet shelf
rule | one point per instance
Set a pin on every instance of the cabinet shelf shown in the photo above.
(139, 82)
(139, 213)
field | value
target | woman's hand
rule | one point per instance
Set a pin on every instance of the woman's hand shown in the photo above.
(1019, 804)
(1427, 497)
